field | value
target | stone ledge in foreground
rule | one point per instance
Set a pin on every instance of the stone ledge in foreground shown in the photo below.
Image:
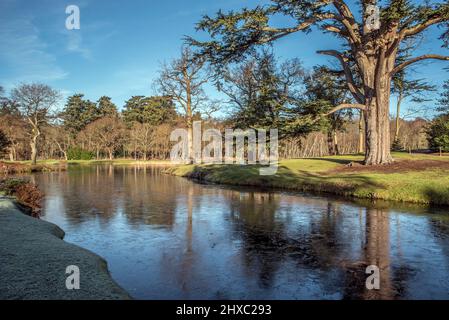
(33, 260)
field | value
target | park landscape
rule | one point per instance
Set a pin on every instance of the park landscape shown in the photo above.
(362, 173)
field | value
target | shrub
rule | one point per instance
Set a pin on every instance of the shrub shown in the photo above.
(79, 154)
(27, 194)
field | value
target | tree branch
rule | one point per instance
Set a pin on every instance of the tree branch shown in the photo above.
(420, 27)
(348, 21)
(416, 59)
(348, 74)
(346, 106)
(281, 32)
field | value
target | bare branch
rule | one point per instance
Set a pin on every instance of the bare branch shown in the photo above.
(416, 59)
(420, 27)
(346, 106)
(348, 21)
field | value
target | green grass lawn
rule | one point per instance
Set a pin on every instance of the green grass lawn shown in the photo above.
(329, 174)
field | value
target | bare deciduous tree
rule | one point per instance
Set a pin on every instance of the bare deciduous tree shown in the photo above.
(183, 81)
(106, 134)
(141, 135)
(36, 102)
(60, 137)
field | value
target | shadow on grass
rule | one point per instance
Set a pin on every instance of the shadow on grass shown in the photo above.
(437, 196)
(341, 184)
(339, 161)
(285, 178)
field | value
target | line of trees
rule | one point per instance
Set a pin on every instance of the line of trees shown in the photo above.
(261, 93)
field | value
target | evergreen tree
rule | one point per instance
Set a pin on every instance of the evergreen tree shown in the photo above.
(152, 110)
(261, 91)
(443, 102)
(323, 90)
(438, 133)
(78, 113)
(370, 41)
(105, 107)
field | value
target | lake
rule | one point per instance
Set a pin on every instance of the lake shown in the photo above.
(166, 237)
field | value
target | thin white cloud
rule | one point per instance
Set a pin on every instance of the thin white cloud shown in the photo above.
(75, 44)
(25, 54)
(86, 40)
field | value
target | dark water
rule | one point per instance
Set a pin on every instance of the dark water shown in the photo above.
(168, 238)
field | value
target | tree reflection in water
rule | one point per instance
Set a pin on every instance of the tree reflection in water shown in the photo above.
(167, 237)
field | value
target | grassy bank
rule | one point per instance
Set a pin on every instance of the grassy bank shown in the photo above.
(413, 178)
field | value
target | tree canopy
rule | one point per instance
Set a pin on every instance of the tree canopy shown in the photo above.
(152, 110)
(367, 54)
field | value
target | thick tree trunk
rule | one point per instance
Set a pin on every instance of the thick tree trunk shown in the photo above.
(377, 107)
(377, 128)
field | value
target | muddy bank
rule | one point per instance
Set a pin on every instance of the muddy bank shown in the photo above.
(34, 258)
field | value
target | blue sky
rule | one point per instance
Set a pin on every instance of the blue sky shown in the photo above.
(119, 48)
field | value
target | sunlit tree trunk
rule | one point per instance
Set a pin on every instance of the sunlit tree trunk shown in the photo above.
(335, 142)
(398, 111)
(377, 80)
(12, 154)
(33, 146)
(361, 148)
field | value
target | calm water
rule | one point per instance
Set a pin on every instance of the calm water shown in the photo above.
(168, 238)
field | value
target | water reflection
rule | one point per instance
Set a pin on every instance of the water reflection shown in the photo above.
(166, 237)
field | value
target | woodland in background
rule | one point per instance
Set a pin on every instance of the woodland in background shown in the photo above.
(261, 92)
(87, 130)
